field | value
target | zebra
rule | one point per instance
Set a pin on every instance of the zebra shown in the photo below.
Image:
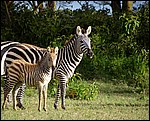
(23, 51)
(5, 46)
(39, 75)
(68, 59)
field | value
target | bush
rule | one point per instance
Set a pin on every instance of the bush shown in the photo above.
(76, 88)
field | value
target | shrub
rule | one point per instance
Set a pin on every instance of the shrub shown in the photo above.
(77, 88)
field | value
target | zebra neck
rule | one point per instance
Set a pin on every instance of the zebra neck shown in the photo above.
(69, 54)
(43, 66)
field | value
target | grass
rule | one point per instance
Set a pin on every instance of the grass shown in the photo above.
(115, 102)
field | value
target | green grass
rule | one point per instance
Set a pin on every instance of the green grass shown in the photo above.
(115, 101)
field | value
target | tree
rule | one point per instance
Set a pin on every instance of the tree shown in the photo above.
(116, 7)
(126, 6)
(51, 5)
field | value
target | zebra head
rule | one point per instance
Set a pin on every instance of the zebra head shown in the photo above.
(53, 55)
(83, 41)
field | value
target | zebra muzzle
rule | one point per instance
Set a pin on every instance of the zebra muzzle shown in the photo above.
(90, 53)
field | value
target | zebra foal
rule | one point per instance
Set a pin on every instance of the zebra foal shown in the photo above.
(40, 74)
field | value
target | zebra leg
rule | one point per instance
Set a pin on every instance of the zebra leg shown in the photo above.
(40, 89)
(20, 95)
(14, 92)
(9, 96)
(57, 97)
(6, 92)
(45, 96)
(63, 93)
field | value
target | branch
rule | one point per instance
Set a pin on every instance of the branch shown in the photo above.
(80, 3)
(7, 11)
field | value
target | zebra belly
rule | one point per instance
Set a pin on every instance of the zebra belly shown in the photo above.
(68, 74)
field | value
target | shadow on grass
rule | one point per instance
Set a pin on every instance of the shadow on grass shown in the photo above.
(100, 106)
(127, 105)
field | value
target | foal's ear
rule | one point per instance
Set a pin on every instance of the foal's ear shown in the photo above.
(48, 49)
(78, 30)
(56, 50)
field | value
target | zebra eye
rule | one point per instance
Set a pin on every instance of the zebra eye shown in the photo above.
(82, 41)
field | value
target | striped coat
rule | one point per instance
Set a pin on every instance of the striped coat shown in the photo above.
(39, 74)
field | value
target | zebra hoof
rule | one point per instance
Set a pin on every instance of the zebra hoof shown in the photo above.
(63, 107)
(55, 106)
(44, 109)
(21, 106)
(3, 107)
(15, 109)
(39, 110)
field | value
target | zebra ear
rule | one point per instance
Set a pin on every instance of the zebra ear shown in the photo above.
(78, 30)
(56, 50)
(88, 31)
(48, 49)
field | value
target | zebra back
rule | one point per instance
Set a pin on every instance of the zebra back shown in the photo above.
(5, 46)
(30, 74)
(26, 52)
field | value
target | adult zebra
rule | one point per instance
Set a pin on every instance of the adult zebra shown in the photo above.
(5, 46)
(68, 59)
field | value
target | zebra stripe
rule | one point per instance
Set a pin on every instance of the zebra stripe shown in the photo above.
(68, 59)
(27, 52)
(5, 46)
(20, 72)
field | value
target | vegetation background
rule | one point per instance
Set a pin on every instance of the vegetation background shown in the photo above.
(120, 41)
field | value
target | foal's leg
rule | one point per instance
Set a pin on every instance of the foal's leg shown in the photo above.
(6, 92)
(45, 96)
(40, 88)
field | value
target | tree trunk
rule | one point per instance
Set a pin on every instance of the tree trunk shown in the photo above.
(40, 6)
(127, 6)
(34, 6)
(52, 5)
(116, 7)
(7, 6)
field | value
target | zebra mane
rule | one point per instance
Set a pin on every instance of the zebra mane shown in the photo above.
(46, 53)
(43, 58)
(73, 37)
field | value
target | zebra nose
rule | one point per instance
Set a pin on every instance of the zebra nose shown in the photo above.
(90, 53)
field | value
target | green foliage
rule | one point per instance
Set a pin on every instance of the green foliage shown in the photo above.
(81, 89)
(52, 88)
(31, 91)
(120, 43)
(119, 56)
(77, 88)
(2, 82)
